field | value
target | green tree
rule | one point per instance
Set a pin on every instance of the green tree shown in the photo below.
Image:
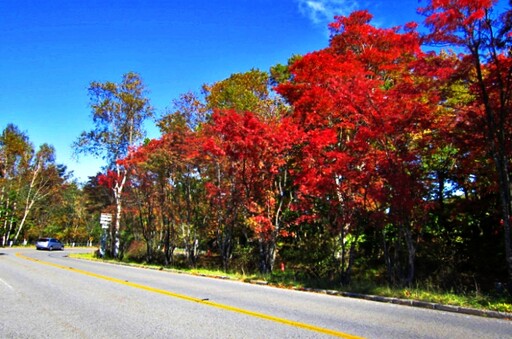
(119, 111)
(28, 179)
(40, 181)
(244, 92)
(15, 154)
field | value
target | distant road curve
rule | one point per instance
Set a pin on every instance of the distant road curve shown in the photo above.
(48, 294)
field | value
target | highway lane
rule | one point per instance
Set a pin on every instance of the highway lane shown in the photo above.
(60, 296)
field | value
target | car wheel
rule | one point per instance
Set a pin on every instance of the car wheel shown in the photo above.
(51, 248)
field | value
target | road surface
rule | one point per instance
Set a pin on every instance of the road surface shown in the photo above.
(48, 295)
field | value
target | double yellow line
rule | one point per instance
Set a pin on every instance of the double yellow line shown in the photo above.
(197, 300)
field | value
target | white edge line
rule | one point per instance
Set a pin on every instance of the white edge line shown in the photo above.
(6, 284)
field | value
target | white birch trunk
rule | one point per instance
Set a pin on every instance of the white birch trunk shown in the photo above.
(118, 190)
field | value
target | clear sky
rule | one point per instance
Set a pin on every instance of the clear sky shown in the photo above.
(52, 49)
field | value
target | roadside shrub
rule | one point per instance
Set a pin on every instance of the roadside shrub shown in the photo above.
(245, 259)
(136, 251)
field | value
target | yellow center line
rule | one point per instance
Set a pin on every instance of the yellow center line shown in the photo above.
(197, 300)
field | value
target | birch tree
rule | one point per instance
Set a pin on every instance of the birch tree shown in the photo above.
(26, 179)
(118, 112)
(39, 181)
(15, 153)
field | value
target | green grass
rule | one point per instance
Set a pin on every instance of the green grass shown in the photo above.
(475, 300)
(287, 279)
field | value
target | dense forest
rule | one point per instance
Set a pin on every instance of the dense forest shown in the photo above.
(384, 156)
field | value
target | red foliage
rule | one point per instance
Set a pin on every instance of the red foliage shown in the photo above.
(252, 153)
(446, 18)
(364, 111)
(108, 180)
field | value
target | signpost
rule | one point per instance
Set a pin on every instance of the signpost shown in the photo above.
(105, 221)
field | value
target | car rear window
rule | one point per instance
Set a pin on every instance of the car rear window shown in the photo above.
(42, 239)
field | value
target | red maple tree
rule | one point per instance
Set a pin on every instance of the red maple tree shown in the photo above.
(484, 67)
(252, 155)
(365, 115)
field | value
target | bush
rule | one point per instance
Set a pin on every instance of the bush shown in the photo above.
(136, 251)
(245, 259)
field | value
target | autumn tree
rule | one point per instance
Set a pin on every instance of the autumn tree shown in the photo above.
(485, 66)
(175, 156)
(118, 112)
(141, 201)
(41, 181)
(78, 225)
(165, 187)
(239, 93)
(29, 178)
(254, 153)
(64, 216)
(16, 152)
(364, 118)
(223, 196)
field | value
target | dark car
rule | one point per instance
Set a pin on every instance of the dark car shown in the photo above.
(49, 244)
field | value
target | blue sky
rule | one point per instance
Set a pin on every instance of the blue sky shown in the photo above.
(52, 49)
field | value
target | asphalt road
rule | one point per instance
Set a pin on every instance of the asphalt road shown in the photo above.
(48, 295)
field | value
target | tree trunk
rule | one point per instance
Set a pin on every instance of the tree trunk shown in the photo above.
(167, 252)
(7, 225)
(346, 271)
(343, 276)
(31, 198)
(168, 246)
(506, 207)
(118, 190)
(225, 240)
(411, 255)
(267, 254)
(116, 244)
